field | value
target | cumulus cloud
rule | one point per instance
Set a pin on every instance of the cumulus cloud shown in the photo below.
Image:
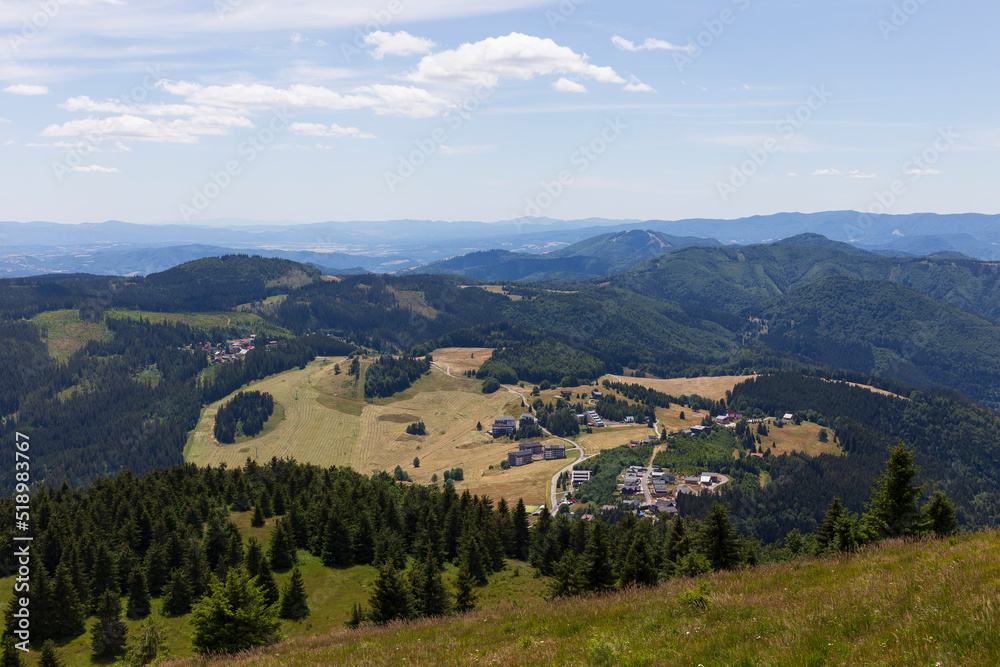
(564, 85)
(636, 86)
(515, 56)
(97, 169)
(334, 130)
(26, 89)
(828, 172)
(857, 173)
(649, 45)
(922, 172)
(399, 43)
(854, 173)
(465, 150)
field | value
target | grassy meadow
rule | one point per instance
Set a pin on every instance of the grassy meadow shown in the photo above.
(899, 604)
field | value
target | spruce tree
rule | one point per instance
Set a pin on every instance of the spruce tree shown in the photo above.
(257, 521)
(104, 576)
(519, 519)
(828, 529)
(145, 647)
(893, 510)
(177, 594)
(109, 634)
(11, 656)
(138, 597)
(357, 616)
(233, 617)
(638, 568)
(267, 584)
(66, 612)
(677, 546)
(336, 544)
(472, 559)
(294, 600)
(254, 557)
(598, 569)
(155, 569)
(718, 543)
(465, 593)
(390, 600)
(430, 598)
(941, 515)
(48, 657)
(568, 578)
(282, 551)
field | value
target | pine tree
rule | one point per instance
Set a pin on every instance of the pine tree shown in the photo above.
(677, 546)
(893, 510)
(598, 569)
(294, 605)
(430, 598)
(146, 646)
(357, 616)
(390, 600)
(177, 594)
(465, 593)
(257, 521)
(138, 597)
(104, 576)
(155, 569)
(48, 657)
(472, 559)
(282, 551)
(233, 616)
(941, 515)
(267, 584)
(108, 636)
(827, 531)
(65, 611)
(718, 543)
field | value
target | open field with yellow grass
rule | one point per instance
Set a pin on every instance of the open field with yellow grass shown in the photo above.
(803, 438)
(709, 387)
(458, 360)
(66, 332)
(610, 437)
(324, 420)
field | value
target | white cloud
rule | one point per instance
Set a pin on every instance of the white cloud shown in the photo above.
(857, 173)
(97, 169)
(854, 173)
(922, 172)
(649, 45)
(400, 43)
(297, 38)
(465, 150)
(334, 130)
(9, 142)
(382, 98)
(564, 85)
(4, 120)
(828, 172)
(515, 56)
(135, 128)
(26, 89)
(636, 86)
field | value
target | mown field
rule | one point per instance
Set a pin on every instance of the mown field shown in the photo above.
(325, 420)
(900, 604)
(457, 360)
(332, 593)
(248, 321)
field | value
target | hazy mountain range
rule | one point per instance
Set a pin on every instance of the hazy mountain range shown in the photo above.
(396, 246)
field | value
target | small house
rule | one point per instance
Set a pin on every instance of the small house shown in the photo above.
(596, 395)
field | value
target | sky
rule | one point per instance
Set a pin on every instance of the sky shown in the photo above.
(318, 110)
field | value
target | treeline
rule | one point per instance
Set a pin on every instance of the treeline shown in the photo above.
(641, 394)
(612, 409)
(390, 375)
(243, 415)
(546, 360)
(168, 534)
(257, 364)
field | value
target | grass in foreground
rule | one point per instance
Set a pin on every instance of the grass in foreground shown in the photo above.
(926, 603)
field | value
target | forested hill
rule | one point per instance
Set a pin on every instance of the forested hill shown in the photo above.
(881, 328)
(735, 278)
(598, 256)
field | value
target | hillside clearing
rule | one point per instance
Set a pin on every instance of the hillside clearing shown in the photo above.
(322, 419)
(67, 333)
(458, 360)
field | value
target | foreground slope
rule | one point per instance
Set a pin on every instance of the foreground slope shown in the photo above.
(917, 603)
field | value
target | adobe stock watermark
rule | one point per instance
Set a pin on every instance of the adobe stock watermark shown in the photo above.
(901, 14)
(786, 128)
(32, 26)
(91, 143)
(408, 164)
(914, 168)
(563, 12)
(380, 20)
(715, 27)
(219, 181)
(581, 159)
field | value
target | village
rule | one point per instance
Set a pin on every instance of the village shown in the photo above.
(229, 351)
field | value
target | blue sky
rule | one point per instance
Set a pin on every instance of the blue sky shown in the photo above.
(311, 110)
